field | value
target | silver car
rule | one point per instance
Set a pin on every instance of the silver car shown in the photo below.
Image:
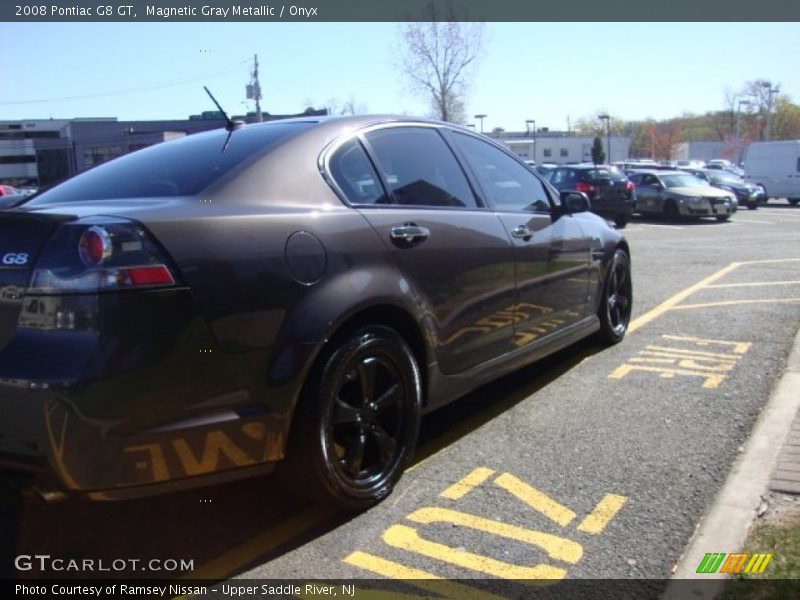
(678, 194)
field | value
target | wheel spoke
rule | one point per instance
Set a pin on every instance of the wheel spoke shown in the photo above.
(622, 276)
(386, 444)
(388, 399)
(354, 457)
(345, 413)
(367, 370)
(622, 301)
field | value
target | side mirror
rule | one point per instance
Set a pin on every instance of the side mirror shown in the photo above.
(574, 202)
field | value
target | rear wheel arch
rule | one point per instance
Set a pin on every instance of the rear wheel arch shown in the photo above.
(310, 465)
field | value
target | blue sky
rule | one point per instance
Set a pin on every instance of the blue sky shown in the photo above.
(542, 71)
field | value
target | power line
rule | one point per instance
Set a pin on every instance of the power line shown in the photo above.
(157, 86)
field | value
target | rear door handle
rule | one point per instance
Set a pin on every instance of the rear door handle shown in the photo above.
(410, 233)
(522, 232)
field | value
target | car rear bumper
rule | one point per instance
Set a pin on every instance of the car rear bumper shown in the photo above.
(139, 398)
(45, 439)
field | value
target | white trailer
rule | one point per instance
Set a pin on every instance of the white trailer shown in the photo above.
(775, 166)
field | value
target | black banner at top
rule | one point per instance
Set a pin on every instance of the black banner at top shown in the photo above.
(396, 10)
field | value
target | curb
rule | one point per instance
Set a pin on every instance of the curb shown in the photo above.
(726, 525)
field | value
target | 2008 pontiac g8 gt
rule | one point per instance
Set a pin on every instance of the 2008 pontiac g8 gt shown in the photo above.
(292, 294)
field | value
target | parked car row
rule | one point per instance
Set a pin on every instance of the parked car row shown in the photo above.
(670, 193)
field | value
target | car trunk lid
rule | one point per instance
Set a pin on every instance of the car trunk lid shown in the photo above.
(22, 237)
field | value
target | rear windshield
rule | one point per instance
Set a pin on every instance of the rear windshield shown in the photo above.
(182, 167)
(725, 178)
(612, 174)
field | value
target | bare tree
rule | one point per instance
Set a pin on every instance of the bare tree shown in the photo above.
(438, 57)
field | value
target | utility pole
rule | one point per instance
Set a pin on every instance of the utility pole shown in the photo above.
(254, 89)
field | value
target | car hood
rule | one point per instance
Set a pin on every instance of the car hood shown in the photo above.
(700, 192)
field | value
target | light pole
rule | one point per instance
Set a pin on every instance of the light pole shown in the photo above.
(771, 91)
(481, 118)
(607, 119)
(528, 122)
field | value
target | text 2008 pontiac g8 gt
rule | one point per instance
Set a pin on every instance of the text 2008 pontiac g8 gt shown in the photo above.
(292, 294)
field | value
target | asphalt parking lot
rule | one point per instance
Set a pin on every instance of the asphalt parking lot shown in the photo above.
(595, 463)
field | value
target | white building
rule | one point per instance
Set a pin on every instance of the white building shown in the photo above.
(561, 147)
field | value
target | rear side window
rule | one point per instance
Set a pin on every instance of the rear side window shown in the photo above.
(182, 167)
(419, 167)
(351, 169)
(510, 185)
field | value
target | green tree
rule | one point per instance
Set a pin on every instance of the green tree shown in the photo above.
(598, 154)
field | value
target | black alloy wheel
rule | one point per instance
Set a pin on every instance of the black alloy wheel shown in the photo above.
(359, 421)
(617, 299)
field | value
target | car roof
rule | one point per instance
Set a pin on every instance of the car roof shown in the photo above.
(659, 171)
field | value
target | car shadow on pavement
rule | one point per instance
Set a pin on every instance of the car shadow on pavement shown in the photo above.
(227, 529)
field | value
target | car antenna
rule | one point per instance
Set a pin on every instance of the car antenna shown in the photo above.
(230, 125)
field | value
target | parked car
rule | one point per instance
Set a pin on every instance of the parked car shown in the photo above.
(720, 164)
(8, 190)
(290, 295)
(747, 194)
(611, 193)
(775, 166)
(543, 168)
(678, 194)
(691, 164)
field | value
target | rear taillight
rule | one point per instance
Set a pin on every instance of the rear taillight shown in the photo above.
(629, 186)
(100, 254)
(94, 246)
(584, 187)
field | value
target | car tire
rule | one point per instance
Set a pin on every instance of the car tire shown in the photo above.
(621, 221)
(671, 212)
(616, 299)
(794, 201)
(721, 218)
(753, 206)
(357, 422)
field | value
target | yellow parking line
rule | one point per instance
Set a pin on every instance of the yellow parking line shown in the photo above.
(535, 499)
(679, 297)
(755, 284)
(407, 538)
(605, 510)
(735, 302)
(463, 487)
(769, 260)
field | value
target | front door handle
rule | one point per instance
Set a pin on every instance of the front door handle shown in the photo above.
(522, 232)
(410, 233)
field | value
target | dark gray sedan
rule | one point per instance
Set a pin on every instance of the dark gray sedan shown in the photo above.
(678, 195)
(289, 295)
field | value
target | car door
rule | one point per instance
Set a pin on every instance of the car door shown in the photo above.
(454, 254)
(648, 193)
(552, 254)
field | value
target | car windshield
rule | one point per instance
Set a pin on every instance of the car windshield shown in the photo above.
(182, 167)
(683, 180)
